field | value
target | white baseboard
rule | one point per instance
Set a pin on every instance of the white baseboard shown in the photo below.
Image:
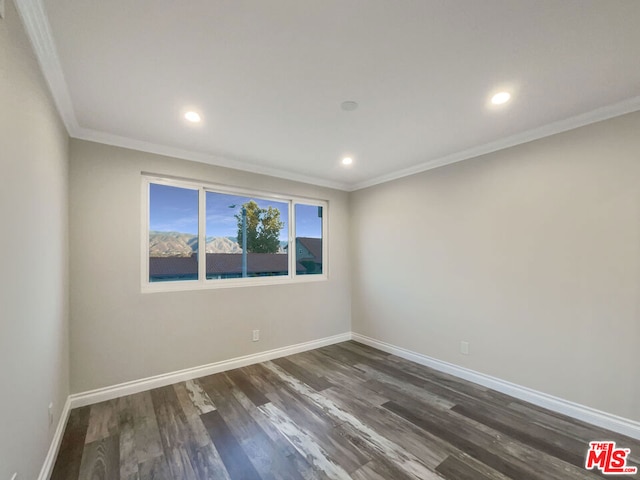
(137, 386)
(50, 459)
(615, 423)
(144, 384)
(599, 418)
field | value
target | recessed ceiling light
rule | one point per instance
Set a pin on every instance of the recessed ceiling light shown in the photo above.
(349, 106)
(347, 161)
(500, 98)
(193, 117)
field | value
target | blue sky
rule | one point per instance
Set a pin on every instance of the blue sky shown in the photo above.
(308, 221)
(175, 209)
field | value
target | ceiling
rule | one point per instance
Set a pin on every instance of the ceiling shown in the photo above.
(268, 78)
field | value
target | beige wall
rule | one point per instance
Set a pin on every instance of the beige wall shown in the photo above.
(120, 334)
(531, 254)
(33, 247)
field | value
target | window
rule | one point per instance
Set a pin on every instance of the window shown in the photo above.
(309, 239)
(206, 236)
(234, 222)
(173, 233)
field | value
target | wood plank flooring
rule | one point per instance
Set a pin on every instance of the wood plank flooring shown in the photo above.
(345, 411)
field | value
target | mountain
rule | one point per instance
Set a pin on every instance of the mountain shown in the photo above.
(176, 244)
(171, 244)
(222, 245)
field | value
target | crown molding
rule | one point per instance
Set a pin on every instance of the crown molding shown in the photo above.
(604, 113)
(185, 154)
(36, 24)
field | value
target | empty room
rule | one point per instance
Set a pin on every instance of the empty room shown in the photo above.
(355, 239)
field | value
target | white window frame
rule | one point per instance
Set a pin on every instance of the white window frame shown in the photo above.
(202, 283)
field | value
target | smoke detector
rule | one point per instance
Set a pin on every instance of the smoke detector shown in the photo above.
(349, 106)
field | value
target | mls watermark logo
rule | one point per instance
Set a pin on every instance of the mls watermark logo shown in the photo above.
(610, 460)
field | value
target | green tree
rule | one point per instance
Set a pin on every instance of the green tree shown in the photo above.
(263, 228)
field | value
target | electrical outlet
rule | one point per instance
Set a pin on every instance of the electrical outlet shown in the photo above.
(256, 335)
(51, 414)
(464, 348)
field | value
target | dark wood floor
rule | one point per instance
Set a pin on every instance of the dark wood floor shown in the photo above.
(343, 411)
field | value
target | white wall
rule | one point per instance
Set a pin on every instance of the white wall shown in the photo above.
(33, 247)
(531, 254)
(120, 334)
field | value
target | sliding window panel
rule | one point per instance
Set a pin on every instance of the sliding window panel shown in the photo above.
(246, 237)
(173, 233)
(309, 239)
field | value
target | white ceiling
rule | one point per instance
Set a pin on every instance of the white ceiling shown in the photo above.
(268, 77)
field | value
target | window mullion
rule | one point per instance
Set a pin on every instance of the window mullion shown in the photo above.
(202, 236)
(325, 239)
(292, 241)
(145, 236)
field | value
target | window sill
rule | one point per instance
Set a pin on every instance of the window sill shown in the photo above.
(185, 286)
